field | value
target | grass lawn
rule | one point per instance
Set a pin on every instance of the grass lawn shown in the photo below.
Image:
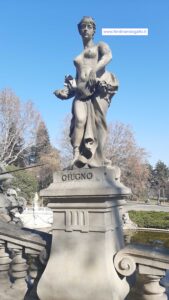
(150, 219)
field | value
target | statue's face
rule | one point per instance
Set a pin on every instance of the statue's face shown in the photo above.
(86, 30)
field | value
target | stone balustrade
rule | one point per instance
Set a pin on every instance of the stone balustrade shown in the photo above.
(149, 264)
(23, 256)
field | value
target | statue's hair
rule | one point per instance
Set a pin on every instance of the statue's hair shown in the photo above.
(89, 20)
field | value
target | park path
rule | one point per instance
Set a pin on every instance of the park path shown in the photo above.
(145, 207)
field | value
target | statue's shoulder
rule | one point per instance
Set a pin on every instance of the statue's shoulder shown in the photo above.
(102, 44)
(103, 47)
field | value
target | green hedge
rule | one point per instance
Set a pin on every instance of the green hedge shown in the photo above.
(150, 219)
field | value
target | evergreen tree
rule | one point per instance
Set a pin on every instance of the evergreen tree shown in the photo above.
(161, 173)
(43, 145)
(161, 176)
(43, 153)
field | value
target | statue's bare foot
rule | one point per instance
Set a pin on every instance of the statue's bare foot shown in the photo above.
(75, 156)
(107, 162)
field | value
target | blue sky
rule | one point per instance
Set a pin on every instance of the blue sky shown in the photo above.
(39, 39)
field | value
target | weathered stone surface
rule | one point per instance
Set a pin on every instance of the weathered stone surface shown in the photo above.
(152, 264)
(81, 257)
(146, 256)
(86, 182)
(11, 233)
(18, 248)
(87, 228)
(87, 232)
(92, 89)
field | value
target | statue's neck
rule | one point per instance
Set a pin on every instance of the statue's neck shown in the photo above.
(88, 43)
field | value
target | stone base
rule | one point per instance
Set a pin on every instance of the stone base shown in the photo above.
(86, 182)
(87, 233)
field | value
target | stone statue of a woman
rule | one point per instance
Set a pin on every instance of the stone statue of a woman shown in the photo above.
(92, 90)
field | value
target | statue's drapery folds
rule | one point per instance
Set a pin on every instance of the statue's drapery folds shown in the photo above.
(92, 89)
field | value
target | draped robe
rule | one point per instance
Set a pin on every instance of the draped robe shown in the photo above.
(95, 129)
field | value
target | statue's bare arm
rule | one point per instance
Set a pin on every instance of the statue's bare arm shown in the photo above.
(105, 56)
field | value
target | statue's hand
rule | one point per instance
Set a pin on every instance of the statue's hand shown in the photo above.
(62, 94)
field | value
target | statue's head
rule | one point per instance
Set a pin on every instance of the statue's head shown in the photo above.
(87, 21)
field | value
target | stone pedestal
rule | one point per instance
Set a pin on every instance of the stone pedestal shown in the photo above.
(87, 233)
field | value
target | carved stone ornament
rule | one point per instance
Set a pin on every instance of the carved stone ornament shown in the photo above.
(124, 264)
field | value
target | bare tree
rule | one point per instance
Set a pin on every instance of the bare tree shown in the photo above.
(66, 152)
(122, 150)
(18, 125)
